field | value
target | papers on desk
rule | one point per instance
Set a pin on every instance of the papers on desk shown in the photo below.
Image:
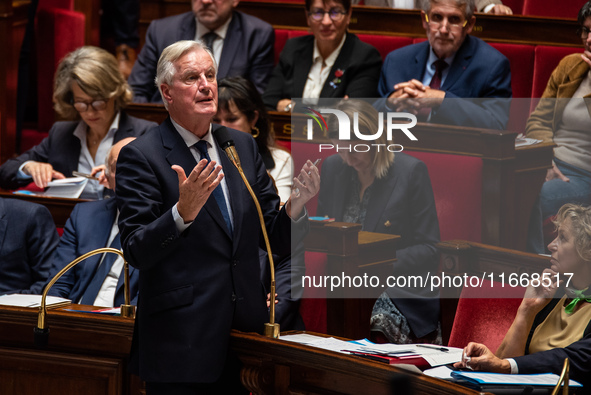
(398, 353)
(32, 301)
(65, 188)
(547, 379)
(522, 141)
(70, 187)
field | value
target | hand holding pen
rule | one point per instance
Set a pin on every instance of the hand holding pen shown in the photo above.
(477, 356)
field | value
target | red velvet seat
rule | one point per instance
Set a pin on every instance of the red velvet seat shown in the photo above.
(457, 187)
(483, 316)
(385, 44)
(552, 8)
(521, 59)
(59, 32)
(515, 5)
(280, 39)
(546, 60)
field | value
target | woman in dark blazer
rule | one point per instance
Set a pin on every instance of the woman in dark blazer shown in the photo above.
(90, 93)
(388, 193)
(329, 63)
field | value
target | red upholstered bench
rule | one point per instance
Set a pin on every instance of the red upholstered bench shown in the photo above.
(483, 317)
(280, 39)
(385, 44)
(546, 60)
(515, 5)
(457, 188)
(521, 58)
(552, 8)
(59, 31)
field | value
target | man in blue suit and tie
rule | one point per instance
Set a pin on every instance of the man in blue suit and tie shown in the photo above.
(242, 45)
(27, 241)
(194, 233)
(98, 280)
(451, 64)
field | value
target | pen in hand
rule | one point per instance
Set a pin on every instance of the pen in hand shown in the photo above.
(297, 190)
(78, 174)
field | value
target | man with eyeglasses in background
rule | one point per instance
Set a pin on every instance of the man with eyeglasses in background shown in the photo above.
(329, 63)
(451, 64)
(242, 45)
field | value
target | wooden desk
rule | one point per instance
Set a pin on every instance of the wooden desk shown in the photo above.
(277, 367)
(60, 208)
(87, 354)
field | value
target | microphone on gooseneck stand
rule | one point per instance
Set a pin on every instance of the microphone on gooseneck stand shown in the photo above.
(41, 331)
(223, 138)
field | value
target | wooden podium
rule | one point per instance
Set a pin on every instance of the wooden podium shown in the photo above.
(86, 354)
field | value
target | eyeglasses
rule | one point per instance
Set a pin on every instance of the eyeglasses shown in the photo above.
(453, 21)
(335, 14)
(97, 105)
(584, 31)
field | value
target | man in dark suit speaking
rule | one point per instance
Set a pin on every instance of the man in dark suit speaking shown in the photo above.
(242, 45)
(193, 232)
(450, 65)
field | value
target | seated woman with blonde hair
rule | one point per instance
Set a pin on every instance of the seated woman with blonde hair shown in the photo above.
(553, 321)
(89, 94)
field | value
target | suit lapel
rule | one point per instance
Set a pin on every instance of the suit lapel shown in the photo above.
(420, 62)
(341, 62)
(232, 44)
(72, 144)
(188, 27)
(460, 63)
(181, 155)
(381, 192)
(235, 185)
(302, 65)
(341, 189)
(102, 225)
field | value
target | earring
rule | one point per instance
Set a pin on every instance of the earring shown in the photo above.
(255, 132)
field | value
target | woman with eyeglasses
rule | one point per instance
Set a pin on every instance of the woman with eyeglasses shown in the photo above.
(90, 94)
(563, 116)
(329, 63)
(553, 321)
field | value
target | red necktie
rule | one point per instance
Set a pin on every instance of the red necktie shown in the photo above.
(440, 65)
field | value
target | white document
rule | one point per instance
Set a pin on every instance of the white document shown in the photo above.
(548, 379)
(32, 300)
(70, 187)
(440, 372)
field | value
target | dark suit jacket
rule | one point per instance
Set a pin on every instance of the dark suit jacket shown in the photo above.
(62, 149)
(87, 229)
(359, 61)
(27, 240)
(478, 71)
(401, 203)
(578, 353)
(197, 285)
(288, 287)
(247, 51)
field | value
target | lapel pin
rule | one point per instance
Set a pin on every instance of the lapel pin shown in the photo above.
(387, 224)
